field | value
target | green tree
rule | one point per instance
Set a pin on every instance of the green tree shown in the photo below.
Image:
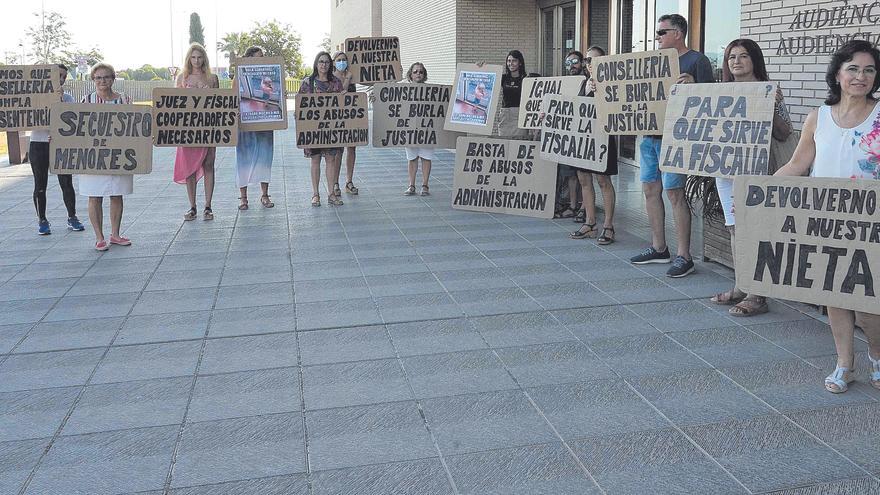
(48, 36)
(326, 44)
(196, 31)
(277, 40)
(68, 57)
(232, 44)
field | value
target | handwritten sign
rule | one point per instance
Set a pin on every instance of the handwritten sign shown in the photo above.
(533, 91)
(503, 176)
(331, 120)
(261, 93)
(374, 60)
(631, 89)
(572, 134)
(411, 114)
(813, 240)
(719, 130)
(189, 117)
(100, 139)
(475, 100)
(26, 92)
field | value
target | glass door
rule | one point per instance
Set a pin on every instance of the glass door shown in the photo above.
(559, 30)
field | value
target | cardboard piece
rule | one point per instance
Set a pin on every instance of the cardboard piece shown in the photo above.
(100, 139)
(813, 240)
(475, 99)
(631, 89)
(411, 114)
(332, 120)
(261, 93)
(718, 130)
(374, 60)
(572, 134)
(189, 117)
(533, 91)
(26, 92)
(503, 176)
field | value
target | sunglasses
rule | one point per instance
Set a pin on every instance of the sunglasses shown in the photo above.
(662, 32)
(572, 62)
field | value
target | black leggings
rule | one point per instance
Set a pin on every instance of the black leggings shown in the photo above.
(39, 158)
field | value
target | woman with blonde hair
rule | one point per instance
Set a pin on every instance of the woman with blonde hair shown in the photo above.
(191, 164)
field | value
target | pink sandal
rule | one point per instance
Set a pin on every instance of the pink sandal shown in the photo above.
(102, 245)
(121, 241)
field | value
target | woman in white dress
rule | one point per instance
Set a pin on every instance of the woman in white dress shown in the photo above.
(98, 186)
(417, 73)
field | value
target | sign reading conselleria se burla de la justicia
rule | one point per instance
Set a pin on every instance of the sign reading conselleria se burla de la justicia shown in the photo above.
(817, 30)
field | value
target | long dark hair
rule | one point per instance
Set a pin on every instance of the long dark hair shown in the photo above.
(251, 51)
(314, 74)
(758, 66)
(522, 62)
(843, 55)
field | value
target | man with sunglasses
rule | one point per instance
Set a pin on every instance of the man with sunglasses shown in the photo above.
(695, 68)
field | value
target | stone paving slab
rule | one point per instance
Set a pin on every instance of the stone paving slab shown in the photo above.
(396, 345)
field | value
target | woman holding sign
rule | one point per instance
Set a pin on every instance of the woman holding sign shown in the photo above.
(98, 186)
(255, 151)
(191, 164)
(511, 92)
(340, 70)
(842, 139)
(417, 73)
(322, 80)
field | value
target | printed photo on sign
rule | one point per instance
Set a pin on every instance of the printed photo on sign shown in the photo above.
(26, 92)
(632, 88)
(191, 117)
(571, 133)
(262, 102)
(473, 106)
(374, 60)
(718, 130)
(503, 176)
(331, 120)
(812, 240)
(533, 91)
(100, 139)
(411, 114)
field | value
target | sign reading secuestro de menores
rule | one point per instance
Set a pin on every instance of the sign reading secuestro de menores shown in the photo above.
(814, 240)
(534, 89)
(26, 91)
(374, 60)
(411, 115)
(100, 139)
(631, 90)
(719, 130)
(191, 117)
(571, 133)
(331, 120)
(261, 92)
(503, 176)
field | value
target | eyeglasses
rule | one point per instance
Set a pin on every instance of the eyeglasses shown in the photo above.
(661, 32)
(418, 72)
(103, 78)
(867, 71)
(325, 62)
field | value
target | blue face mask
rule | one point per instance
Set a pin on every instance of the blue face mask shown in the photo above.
(341, 65)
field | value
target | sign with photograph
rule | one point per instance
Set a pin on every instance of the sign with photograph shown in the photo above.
(813, 240)
(261, 93)
(632, 88)
(190, 117)
(374, 60)
(572, 135)
(411, 114)
(475, 99)
(719, 130)
(100, 139)
(26, 91)
(332, 120)
(533, 91)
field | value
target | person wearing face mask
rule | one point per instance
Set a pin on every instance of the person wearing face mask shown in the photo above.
(417, 73)
(255, 149)
(340, 70)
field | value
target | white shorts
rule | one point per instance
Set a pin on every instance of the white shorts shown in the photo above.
(425, 153)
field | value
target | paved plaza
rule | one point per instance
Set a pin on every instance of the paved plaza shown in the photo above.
(395, 345)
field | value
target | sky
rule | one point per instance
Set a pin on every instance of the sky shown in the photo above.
(133, 33)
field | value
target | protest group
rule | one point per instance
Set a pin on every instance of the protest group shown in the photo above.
(524, 145)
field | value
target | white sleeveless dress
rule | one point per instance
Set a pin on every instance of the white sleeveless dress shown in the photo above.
(853, 152)
(105, 185)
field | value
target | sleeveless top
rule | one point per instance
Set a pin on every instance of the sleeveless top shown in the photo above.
(122, 99)
(853, 153)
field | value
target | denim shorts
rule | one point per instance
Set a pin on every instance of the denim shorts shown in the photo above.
(649, 165)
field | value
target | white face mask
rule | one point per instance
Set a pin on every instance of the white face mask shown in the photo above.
(341, 65)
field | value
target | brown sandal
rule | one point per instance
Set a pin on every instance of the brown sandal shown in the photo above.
(750, 307)
(728, 298)
(316, 200)
(190, 214)
(267, 203)
(244, 204)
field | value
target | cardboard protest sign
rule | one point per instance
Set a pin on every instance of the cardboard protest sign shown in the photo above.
(533, 91)
(26, 91)
(572, 134)
(100, 139)
(475, 99)
(331, 120)
(631, 89)
(503, 176)
(411, 114)
(374, 60)
(261, 93)
(719, 130)
(190, 117)
(814, 240)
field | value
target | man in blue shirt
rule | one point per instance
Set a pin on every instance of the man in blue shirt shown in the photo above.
(694, 68)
